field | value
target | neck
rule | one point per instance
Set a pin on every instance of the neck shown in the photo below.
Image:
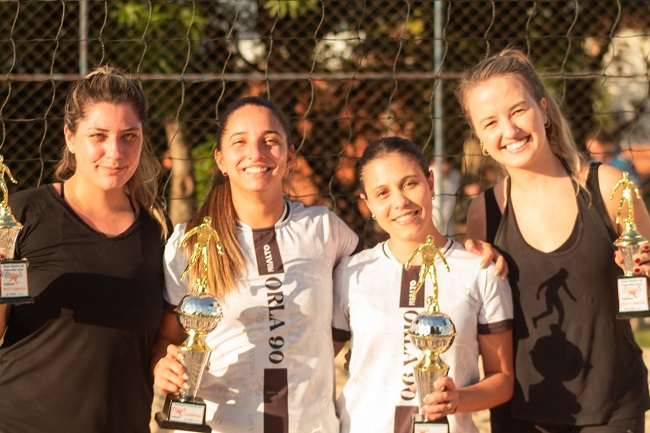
(81, 194)
(402, 249)
(549, 170)
(258, 212)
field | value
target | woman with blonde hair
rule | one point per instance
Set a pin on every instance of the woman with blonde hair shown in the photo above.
(577, 368)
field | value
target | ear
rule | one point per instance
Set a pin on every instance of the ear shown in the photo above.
(544, 106)
(69, 138)
(430, 180)
(218, 158)
(291, 156)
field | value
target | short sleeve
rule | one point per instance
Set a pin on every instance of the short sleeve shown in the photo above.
(174, 263)
(495, 314)
(346, 240)
(341, 310)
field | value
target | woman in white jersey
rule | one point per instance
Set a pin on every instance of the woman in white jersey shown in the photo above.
(271, 369)
(371, 305)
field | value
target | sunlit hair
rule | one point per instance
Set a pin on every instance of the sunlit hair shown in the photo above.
(387, 145)
(515, 63)
(227, 269)
(107, 84)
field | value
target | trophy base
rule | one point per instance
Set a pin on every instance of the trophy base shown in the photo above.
(183, 415)
(17, 300)
(421, 425)
(632, 314)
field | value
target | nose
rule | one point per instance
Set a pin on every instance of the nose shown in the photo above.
(510, 128)
(256, 150)
(400, 200)
(113, 146)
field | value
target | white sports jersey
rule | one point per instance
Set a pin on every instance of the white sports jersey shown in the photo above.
(371, 301)
(271, 369)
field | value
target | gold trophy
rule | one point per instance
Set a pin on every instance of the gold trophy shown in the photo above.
(632, 289)
(13, 273)
(198, 314)
(433, 333)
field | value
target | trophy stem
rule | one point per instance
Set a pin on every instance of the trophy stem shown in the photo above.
(430, 368)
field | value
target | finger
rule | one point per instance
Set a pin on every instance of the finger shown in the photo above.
(469, 245)
(501, 267)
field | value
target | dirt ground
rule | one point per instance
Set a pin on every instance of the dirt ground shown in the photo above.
(481, 418)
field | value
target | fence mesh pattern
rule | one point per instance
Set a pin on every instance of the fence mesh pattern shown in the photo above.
(345, 72)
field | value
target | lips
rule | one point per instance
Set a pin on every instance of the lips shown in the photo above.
(257, 169)
(517, 145)
(406, 217)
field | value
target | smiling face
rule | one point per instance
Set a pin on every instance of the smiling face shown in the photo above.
(508, 121)
(254, 151)
(398, 193)
(106, 145)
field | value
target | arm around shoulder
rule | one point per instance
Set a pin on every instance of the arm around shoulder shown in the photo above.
(476, 224)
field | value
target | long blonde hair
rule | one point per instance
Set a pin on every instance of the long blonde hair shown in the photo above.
(514, 62)
(109, 84)
(226, 269)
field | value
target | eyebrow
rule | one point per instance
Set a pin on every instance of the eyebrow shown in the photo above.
(268, 131)
(129, 129)
(522, 102)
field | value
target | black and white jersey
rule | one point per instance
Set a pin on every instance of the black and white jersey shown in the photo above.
(371, 302)
(271, 368)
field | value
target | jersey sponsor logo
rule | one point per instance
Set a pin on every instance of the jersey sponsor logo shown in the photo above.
(267, 252)
(275, 301)
(409, 358)
(409, 280)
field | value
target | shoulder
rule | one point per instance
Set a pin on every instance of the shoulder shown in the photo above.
(31, 201)
(359, 261)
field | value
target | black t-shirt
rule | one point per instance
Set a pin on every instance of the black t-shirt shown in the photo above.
(78, 358)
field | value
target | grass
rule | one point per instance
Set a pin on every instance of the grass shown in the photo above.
(642, 336)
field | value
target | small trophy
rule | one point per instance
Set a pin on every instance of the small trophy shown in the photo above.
(632, 289)
(198, 313)
(433, 333)
(13, 273)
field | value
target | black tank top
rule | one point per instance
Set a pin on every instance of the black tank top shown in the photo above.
(575, 363)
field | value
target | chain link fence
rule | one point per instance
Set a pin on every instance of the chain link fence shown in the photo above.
(345, 72)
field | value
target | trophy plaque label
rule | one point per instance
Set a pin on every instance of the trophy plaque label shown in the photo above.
(421, 425)
(191, 413)
(632, 294)
(13, 281)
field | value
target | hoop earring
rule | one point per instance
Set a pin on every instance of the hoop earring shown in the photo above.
(547, 124)
(373, 216)
(224, 174)
(483, 151)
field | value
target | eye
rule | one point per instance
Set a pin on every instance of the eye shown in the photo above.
(489, 125)
(272, 141)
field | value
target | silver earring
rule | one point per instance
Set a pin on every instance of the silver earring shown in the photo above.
(373, 216)
(224, 174)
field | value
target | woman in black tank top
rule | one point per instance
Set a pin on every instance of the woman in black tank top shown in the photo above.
(577, 367)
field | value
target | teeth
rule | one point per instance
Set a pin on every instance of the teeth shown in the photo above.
(256, 169)
(516, 145)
